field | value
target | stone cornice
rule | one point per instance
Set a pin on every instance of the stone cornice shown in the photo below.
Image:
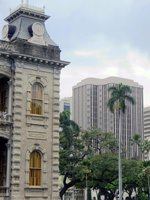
(27, 58)
(26, 11)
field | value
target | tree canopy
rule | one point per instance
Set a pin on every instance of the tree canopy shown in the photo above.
(76, 150)
(92, 154)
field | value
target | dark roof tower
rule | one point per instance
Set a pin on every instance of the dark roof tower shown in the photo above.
(27, 32)
(28, 23)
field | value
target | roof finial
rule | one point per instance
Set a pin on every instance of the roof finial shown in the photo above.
(27, 2)
(21, 2)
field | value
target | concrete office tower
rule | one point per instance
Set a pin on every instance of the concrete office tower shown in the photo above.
(30, 68)
(147, 128)
(90, 97)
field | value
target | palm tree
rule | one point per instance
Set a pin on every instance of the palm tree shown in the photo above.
(136, 142)
(117, 102)
(145, 147)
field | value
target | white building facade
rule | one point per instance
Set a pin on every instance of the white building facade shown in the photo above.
(30, 68)
(147, 128)
(147, 122)
(90, 97)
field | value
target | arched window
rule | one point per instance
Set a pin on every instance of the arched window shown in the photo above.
(37, 99)
(35, 169)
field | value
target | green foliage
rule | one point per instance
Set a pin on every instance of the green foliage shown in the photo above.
(136, 142)
(72, 153)
(99, 141)
(146, 163)
(77, 150)
(69, 129)
(131, 171)
(72, 149)
(81, 158)
(99, 196)
(142, 196)
(104, 173)
(145, 147)
(136, 139)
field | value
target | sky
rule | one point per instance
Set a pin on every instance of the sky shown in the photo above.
(100, 38)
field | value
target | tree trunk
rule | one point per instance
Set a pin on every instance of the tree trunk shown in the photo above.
(110, 196)
(67, 186)
(119, 160)
(63, 191)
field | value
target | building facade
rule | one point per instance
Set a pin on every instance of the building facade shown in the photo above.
(147, 128)
(30, 68)
(147, 122)
(90, 109)
(66, 105)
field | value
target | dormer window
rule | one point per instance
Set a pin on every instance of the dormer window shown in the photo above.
(37, 99)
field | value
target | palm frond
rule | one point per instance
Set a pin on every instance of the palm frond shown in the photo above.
(119, 95)
(130, 99)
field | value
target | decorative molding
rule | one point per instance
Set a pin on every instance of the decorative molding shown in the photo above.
(36, 192)
(36, 79)
(43, 153)
(36, 135)
(38, 34)
(5, 70)
(6, 46)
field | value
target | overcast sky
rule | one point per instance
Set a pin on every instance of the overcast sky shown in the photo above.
(100, 38)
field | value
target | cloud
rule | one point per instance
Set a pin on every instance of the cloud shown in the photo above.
(129, 63)
(99, 40)
(85, 53)
(140, 64)
(141, 72)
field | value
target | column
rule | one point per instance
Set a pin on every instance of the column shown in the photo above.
(8, 169)
(10, 100)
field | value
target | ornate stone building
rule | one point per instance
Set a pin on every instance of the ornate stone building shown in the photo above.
(30, 68)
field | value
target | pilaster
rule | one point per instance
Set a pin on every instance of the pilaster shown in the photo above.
(55, 139)
(16, 137)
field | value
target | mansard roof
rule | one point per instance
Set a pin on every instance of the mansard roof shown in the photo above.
(27, 23)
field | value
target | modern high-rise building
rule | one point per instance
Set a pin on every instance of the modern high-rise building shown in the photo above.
(147, 127)
(30, 67)
(89, 105)
(147, 122)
